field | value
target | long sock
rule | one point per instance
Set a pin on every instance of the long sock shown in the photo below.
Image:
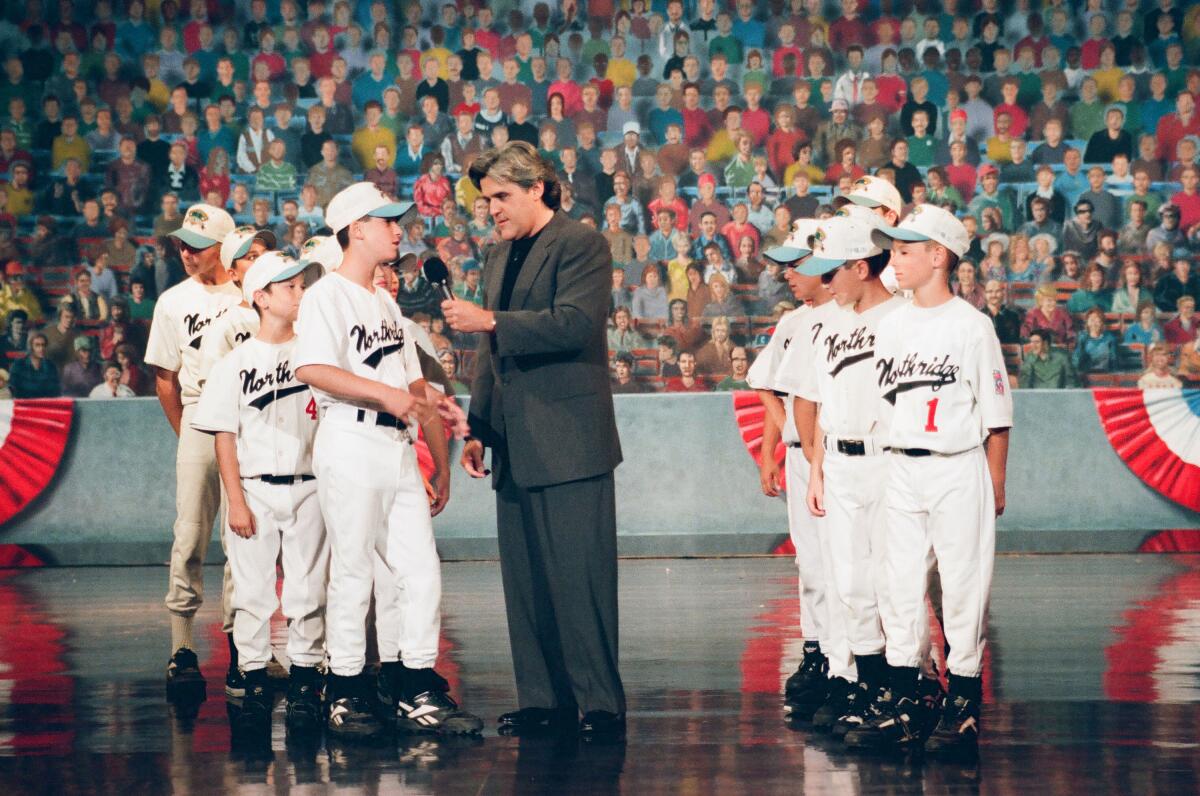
(969, 687)
(181, 632)
(233, 655)
(904, 681)
(872, 670)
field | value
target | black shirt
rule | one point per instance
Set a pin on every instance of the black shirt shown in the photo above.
(516, 259)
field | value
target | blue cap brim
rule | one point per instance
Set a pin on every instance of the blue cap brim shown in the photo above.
(392, 210)
(815, 266)
(193, 239)
(786, 254)
(287, 274)
(883, 236)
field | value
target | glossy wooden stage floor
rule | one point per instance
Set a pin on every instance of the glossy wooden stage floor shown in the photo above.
(1092, 687)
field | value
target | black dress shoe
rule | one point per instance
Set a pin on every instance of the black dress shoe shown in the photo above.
(602, 724)
(531, 720)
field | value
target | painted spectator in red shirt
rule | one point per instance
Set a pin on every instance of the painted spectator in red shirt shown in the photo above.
(849, 28)
(1089, 51)
(1182, 328)
(755, 120)
(1037, 40)
(1174, 126)
(787, 46)
(697, 128)
(1019, 119)
(781, 142)
(687, 380)
(1188, 200)
(571, 93)
(668, 199)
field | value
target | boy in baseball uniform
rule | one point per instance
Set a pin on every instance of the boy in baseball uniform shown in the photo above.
(848, 463)
(364, 371)
(182, 315)
(808, 686)
(239, 250)
(940, 374)
(265, 422)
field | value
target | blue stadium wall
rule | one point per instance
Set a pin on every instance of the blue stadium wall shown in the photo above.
(687, 487)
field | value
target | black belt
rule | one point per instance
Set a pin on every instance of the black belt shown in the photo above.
(851, 447)
(383, 419)
(286, 480)
(795, 445)
(912, 451)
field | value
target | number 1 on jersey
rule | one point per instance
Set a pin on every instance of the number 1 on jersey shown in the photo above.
(311, 409)
(930, 425)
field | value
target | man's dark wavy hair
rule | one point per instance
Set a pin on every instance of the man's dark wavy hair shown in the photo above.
(519, 163)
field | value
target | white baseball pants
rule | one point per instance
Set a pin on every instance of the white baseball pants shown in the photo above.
(198, 499)
(288, 521)
(373, 501)
(854, 516)
(942, 506)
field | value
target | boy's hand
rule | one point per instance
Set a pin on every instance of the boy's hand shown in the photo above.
(241, 520)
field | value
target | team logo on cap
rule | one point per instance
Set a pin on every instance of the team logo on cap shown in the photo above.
(818, 238)
(197, 216)
(861, 182)
(916, 211)
(309, 245)
(243, 229)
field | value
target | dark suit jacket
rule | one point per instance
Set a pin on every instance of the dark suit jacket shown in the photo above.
(541, 389)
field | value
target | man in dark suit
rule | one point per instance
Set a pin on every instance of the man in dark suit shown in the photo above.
(542, 402)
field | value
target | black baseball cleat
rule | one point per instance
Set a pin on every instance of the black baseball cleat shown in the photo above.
(254, 719)
(303, 700)
(350, 702)
(435, 712)
(538, 721)
(957, 732)
(184, 680)
(894, 723)
(602, 725)
(858, 710)
(424, 705)
(834, 706)
(807, 688)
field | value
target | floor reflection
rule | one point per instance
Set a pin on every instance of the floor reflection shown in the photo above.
(1093, 672)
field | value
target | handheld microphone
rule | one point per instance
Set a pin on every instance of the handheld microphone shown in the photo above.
(438, 275)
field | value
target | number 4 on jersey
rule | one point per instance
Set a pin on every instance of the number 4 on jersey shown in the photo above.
(311, 409)
(930, 425)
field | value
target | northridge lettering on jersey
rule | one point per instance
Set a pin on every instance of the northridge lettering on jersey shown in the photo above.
(939, 372)
(857, 346)
(195, 323)
(366, 340)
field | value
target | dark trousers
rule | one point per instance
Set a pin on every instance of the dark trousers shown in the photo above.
(558, 559)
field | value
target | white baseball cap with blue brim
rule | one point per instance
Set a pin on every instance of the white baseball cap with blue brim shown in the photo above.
(798, 244)
(322, 250)
(204, 226)
(363, 199)
(870, 191)
(270, 268)
(837, 241)
(237, 243)
(926, 223)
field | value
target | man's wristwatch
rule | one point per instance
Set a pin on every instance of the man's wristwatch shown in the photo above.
(493, 327)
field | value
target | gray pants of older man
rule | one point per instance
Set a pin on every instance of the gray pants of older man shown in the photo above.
(558, 559)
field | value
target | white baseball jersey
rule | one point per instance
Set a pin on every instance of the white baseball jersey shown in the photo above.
(941, 375)
(181, 317)
(253, 392)
(349, 327)
(842, 378)
(235, 326)
(762, 374)
(795, 374)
